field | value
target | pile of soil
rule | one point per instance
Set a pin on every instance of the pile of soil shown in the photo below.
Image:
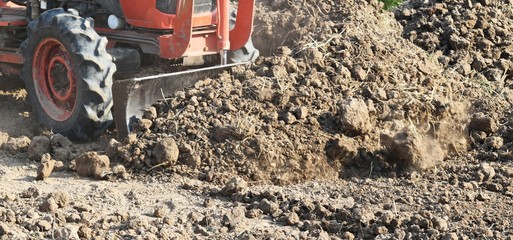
(347, 90)
(475, 39)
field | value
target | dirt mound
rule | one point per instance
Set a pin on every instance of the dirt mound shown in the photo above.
(473, 38)
(346, 72)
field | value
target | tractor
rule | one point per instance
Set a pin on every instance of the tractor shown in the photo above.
(80, 59)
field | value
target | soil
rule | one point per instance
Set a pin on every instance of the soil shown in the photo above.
(354, 123)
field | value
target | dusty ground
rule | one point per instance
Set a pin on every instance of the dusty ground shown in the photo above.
(355, 123)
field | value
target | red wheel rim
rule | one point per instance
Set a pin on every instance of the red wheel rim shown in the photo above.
(54, 81)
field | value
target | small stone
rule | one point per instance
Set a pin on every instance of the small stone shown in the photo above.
(166, 151)
(44, 225)
(45, 169)
(289, 118)
(353, 117)
(235, 185)
(160, 211)
(494, 142)
(150, 113)
(49, 206)
(267, 206)
(4, 137)
(440, 224)
(17, 145)
(39, 146)
(31, 192)
(292, 219)
(301, 112)
(85, 232)
(91, 164)
(61, 198)
(380, 230)
(483, 197)
(359, 73)
(119, 170)
(4, 229)
(58, 141)
(254, 213)
(144, 124)
(481, 122)
(68, 232)
(347, 236)
(450, 236)
(487, 171)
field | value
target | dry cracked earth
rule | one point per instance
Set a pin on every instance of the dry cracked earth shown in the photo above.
(354, 123)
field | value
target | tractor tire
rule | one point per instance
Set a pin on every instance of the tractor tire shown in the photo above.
(247, 53)
(68, 74)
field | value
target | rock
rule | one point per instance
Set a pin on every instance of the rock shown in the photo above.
(4, 229)
(91, 164)
(144, 124)
(363, 215)
(4, 137)
(49, 205)
(359, 73)
(61, 198)
(268, 207)
(112, 148)
(494, 142)
(341, 149)
(234, 216)
(44, 225)
(235, 185)
(31, 192)
(62, 153)
(440, 224)
(84, 232)
(166, 151)
(67, 232)
(411, 150)
(222, 133)
(150, 113)
(353, 117)
(292, 219)
(193, 161)
(254, 213)
(38, 146)
(160, 211)
(289, 118)
(17, 145)
(347, 236)
(301, 112)
(58, 141)
(488, 172)
(484, 123)
(450, 236)
(45, 169)
(312, 56)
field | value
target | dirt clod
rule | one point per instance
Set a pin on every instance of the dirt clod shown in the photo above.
(166, 151)
(411, 150)
(39, 146)
(91, 164)
(46, 167)
(17, 145)
(353, 117)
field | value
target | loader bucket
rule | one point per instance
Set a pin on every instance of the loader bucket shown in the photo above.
(132, 96)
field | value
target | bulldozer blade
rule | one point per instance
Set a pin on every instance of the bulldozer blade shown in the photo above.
(132, 96)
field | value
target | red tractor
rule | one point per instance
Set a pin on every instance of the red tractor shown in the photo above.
(68, 53)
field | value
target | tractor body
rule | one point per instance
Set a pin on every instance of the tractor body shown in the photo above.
(78, 57)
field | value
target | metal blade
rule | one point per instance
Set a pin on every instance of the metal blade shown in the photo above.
(132, 96)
